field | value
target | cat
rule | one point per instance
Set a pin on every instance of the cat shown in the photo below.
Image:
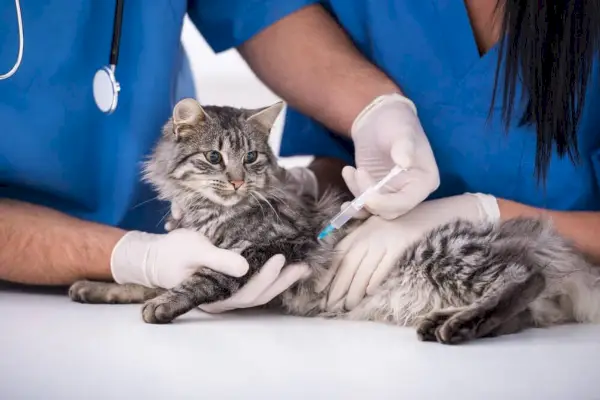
(461, 281)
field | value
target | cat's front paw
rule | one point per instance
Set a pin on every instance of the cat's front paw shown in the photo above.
(157, 311)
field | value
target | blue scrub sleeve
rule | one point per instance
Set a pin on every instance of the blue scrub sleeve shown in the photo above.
(228, 23)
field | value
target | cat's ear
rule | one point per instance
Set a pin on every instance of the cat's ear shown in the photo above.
(187, 114)
(265, 117)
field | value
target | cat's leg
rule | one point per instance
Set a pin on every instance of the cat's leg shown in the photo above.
(516, 324)
(208, 286)
(487, 316)
(205, 286)
(426, 329)
(111, 293)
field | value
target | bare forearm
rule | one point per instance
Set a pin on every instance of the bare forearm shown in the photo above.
(42, 246)
(582, 227)
(308, 60)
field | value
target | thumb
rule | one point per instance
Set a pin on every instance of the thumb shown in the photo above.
(403, 151)
(349, 175)
(227, 262)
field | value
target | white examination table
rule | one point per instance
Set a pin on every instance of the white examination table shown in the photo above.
(52, 348)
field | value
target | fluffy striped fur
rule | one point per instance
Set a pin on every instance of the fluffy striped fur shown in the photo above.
(461, 281)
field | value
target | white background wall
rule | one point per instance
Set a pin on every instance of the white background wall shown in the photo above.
(225, 79)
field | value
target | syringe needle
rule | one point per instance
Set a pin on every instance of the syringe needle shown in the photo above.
(348, 212)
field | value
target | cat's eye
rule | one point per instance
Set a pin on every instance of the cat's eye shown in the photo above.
(213, 157)
(251, 157)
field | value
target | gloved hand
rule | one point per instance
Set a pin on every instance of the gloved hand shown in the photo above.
(367, 255)
(263, 287)
(155, 260)
(385, 134)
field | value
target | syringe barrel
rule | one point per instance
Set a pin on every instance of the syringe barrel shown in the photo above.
(344, 216)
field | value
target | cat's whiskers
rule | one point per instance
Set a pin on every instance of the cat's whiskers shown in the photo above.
(268, 203)
(144, 202)
(163, 218)
(277, 189)
(260, 205)
(278, 197)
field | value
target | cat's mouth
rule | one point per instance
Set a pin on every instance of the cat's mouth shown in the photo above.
(227, 194)
(232, 196)
(233, 193)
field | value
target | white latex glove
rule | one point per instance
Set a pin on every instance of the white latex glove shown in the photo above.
(268, 283)
(385, 134)
(366, 255)
(155, 260)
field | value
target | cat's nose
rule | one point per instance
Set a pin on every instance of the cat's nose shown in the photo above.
(237, 184)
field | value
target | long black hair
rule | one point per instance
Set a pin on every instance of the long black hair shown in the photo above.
(549, 45)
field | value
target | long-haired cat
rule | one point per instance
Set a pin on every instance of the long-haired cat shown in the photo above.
(461, 281)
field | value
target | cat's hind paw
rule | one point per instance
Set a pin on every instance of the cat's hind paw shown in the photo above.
(458, 329)
(110, 293)
(79, 291)
(431, 327)
(88, 292)
(427, 328)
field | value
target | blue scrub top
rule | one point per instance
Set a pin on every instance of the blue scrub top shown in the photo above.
(428, 49)
(56, 147)
(59, 150)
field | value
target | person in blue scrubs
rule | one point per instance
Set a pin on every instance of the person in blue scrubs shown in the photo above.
(509, 113)
(370, 85)
(72, 204)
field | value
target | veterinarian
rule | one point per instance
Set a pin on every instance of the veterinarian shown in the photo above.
(369, 84)
(372, 84)
(71, 202)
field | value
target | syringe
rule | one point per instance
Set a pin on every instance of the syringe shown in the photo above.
(357, 204)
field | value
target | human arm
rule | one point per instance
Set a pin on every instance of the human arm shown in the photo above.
(581, 227)
(42, 246)
(309, 60)
(366, 256)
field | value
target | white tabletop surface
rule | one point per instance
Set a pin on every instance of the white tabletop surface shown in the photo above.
(52, 348)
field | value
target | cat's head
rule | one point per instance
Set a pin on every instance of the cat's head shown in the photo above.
(219, 153)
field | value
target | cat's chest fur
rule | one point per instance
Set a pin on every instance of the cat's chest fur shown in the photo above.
(213, 225)
(236, 228)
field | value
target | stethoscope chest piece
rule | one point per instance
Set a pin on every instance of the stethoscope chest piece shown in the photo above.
(106, 89)
(105, 86)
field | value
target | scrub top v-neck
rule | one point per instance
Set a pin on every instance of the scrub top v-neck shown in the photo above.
(428, 48)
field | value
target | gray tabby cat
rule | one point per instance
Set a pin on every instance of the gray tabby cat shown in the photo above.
(461, 281)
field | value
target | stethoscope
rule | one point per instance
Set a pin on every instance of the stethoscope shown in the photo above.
(106, 88)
